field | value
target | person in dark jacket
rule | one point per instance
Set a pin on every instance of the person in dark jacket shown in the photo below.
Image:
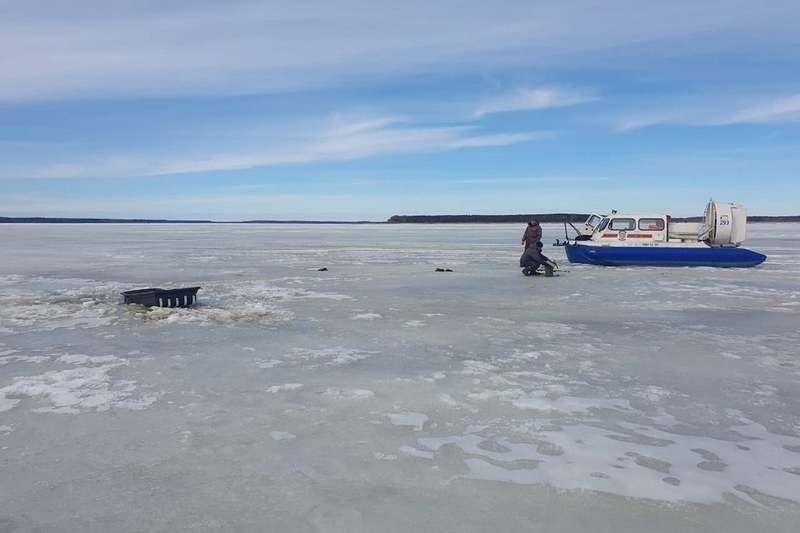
(532, 258)
(533, 233)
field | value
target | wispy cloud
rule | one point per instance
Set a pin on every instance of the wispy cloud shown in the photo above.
(356, 140)
(780, 110)
(343, 138)
(532, 180)
(717, 111)
(95, 48)
(531, 99)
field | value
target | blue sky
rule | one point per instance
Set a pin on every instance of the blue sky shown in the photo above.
(360, 110)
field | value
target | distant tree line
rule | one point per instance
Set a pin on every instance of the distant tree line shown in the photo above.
(58, 220)
(544, 219)
(485, 219)
(751, 218)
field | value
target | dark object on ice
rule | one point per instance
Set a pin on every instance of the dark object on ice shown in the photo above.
(443, 270)
(547, 272)
(162, 297)
(323, 269)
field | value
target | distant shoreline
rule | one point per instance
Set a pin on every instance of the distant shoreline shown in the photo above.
(58, 220)
(397, 219)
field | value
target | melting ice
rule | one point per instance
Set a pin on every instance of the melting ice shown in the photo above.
(382, 394)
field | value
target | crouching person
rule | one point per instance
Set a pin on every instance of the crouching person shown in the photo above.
(533, 258)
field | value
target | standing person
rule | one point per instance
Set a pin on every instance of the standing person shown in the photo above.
(533, 233)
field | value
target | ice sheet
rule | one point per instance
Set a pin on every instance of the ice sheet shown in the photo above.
(383, 394)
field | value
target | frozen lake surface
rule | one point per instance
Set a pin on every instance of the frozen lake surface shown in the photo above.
(384, 396)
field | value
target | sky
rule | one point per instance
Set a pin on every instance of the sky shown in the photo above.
(361, 110)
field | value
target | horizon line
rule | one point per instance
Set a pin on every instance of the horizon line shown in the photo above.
(390, 220)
